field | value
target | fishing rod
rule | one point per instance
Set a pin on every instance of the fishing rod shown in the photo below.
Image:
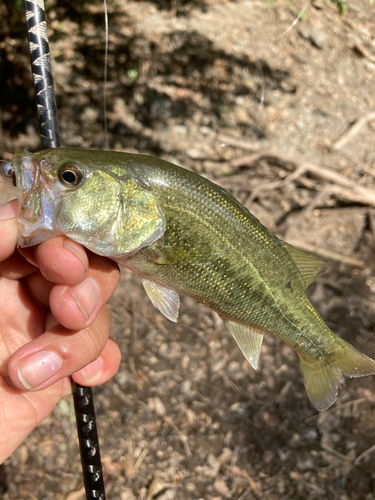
(50, 138)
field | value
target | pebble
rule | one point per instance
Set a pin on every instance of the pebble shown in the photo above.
(127, 494)
(161, 108)
(195, 153)
(316, 37)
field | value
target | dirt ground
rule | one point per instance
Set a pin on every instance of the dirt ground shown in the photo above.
(283, 117)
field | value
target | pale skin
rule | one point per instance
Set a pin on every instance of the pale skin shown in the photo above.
(53, 324)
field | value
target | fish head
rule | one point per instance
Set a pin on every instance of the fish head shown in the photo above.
(85, 196)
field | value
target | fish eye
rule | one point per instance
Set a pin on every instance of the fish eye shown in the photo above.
(70, 175)
(8, 172)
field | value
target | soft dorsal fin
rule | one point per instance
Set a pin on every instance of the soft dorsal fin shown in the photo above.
(309, 265)
(164, 299)
(248, 339)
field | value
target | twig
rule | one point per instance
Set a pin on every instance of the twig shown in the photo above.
(334, 453)
(300, 166)
(233, 463)
(364, 454)
(359, 195)
(140, 459)
(297, 477)
(345, 188)
(252, 484)
(354, 195)
(244, 494)
(283, 392)
(328, 254)
(260, 154)
(183, 438)
(322, 416)
(319, 200)
(353, 130)
(230, 141)
(277, 184)
(313, 487)
(249, 161)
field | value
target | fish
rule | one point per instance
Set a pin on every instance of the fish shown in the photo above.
(183, 234)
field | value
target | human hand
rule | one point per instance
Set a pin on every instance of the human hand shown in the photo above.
(53, 323)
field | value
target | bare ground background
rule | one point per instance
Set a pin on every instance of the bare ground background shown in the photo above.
(287, 125)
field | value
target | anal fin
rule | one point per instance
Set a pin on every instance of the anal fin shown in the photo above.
(164, 299)
(248, 339)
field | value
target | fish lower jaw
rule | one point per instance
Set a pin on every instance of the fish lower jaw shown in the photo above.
(31, 235)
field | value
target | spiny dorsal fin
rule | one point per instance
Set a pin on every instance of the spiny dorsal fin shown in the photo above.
(309, 265)
(164, 299)
(248, 339)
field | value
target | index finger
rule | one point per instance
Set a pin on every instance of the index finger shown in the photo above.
(8, 229)
(62, 260)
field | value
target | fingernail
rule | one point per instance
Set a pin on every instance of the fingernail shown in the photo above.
(91, 371)
(9, 210)
(87, 295)
(37, 368)
(78, 251)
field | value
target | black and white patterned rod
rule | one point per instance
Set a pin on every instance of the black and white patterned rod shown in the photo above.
(50, 136)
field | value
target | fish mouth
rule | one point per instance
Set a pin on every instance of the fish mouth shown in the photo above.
(35, 198)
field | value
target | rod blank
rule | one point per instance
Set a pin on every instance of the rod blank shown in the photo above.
(42, 73)
(50, 136)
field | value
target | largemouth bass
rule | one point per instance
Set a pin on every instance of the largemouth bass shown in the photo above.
(185, 235)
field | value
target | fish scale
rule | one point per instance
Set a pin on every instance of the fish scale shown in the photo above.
(184, 234)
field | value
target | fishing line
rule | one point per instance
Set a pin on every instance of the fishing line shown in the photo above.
(50, 137)
(260, 69)
(304, 8)
(289, 28)
(106, 141)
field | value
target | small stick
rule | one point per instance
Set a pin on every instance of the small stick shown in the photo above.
(230, 141)
(183, 438)
(364, 454)
(334, 453)
(352, 192)
(140, 459)
(297, 477)
(353, 130)
(245, 494)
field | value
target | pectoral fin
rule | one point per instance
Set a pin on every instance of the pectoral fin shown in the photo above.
(164, 299)
(248, 339)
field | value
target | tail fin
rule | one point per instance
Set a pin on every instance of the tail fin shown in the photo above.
(324, 376)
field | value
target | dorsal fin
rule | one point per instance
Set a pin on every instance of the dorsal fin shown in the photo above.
(309, 265)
